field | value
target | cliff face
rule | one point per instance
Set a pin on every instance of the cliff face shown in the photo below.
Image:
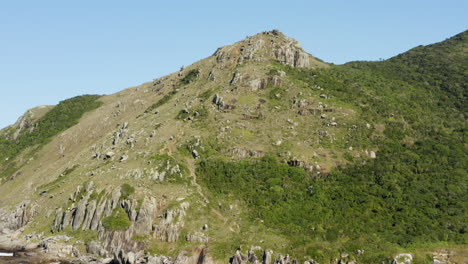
(125, 184)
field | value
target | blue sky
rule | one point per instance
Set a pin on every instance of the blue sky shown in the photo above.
(53, 50)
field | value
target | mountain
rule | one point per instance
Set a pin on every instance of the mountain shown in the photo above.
(258, 153)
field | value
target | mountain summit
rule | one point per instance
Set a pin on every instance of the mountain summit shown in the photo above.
(259, 153)
(266, 47)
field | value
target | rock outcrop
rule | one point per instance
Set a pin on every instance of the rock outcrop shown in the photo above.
(16, 219)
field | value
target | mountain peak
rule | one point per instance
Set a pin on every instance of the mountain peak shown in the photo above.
(267, 46)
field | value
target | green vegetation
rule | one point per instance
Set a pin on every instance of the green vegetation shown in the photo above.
(414, 193)
(190, 76)
(117, 221)
(161, 101)
(63, 116)
(126, 190)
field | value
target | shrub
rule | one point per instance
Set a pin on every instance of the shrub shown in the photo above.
(117, 221)
(126, 190)
(190, 76)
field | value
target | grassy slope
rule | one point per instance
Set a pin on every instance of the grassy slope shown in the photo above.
(66, 114)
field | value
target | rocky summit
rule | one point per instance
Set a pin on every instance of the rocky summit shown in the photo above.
(260, 153)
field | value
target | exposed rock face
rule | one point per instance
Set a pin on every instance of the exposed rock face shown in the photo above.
(88, 214)
(144, 219)
(97, 215)
(18, 218)
(291, 54)
(263, 47)
(239, 258)
(90, 210)
(168, 229)
(79, 215)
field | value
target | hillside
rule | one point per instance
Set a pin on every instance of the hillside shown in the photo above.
(258, 153)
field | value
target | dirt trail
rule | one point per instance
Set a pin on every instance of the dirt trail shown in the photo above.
(191, 167)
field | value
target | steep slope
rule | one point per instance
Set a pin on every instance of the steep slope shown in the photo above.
(258, 147)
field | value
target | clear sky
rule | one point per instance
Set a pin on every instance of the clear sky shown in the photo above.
(53, 50)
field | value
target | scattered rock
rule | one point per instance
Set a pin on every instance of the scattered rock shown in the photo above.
(123, 158)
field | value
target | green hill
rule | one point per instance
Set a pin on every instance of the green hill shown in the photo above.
(260, 147)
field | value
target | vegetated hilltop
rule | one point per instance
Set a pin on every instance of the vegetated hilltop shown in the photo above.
(260, 148)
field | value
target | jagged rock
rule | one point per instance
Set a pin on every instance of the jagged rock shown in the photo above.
(19, 217)
(79, 214)
(130, 209)
(168, 229)
(218, 101)
(237, 77)
(239, 258)
(291, 54)
(144, 219)
(57, 220)
(90, 210)
(252, 258)
(67, 218)
(112, 203)
(97, 215)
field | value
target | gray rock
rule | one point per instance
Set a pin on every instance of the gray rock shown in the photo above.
(97, 215)
(237, 77)
(110, 154)
(67, 218)
(267, 257)
(90, 210)
(57, 220)
(239, 258)
(79, 215)
(403, 258)
(19, 217)
(144, 219)
(195, 154)
(218, 100)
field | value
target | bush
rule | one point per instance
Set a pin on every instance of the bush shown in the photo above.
(117, 221)
(162, 101)
(190, 77)
(126, 190)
